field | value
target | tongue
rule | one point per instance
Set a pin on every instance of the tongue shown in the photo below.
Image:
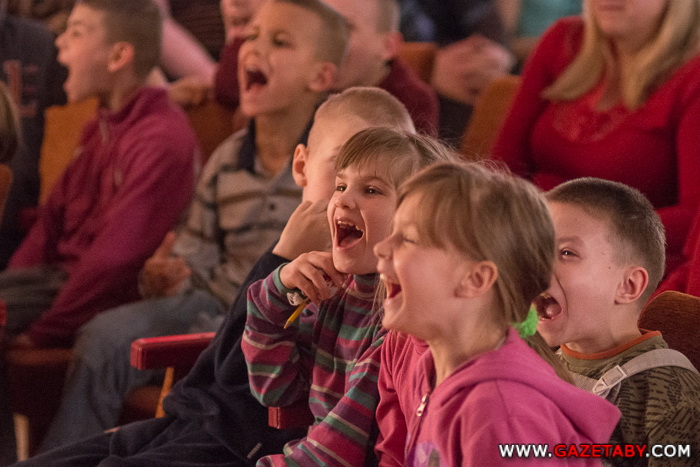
(349, 236)
(350, 239)
(551, 310)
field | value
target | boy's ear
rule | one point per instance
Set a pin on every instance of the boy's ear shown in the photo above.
(633, 285)
(477, 279)
(323, 77)
(121, 55)
(392, 42)
(301, 154)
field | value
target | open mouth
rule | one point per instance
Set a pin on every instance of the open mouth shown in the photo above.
(547, 306)
(254, 77)
(392, 288)
(347, 234)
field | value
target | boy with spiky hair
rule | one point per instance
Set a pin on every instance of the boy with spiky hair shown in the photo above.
(610, 258)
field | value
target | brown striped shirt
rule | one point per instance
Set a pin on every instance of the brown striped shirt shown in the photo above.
(238, 211)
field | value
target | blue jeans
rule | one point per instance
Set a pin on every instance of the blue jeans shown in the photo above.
(100, 375)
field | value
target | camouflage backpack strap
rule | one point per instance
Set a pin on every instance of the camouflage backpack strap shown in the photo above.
(608, 385)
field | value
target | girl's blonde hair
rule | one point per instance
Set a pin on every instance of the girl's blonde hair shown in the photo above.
(490, 216)
(676, 41)
(9, 126)
(402, 153)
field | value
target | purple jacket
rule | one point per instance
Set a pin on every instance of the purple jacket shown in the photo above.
(505, 396)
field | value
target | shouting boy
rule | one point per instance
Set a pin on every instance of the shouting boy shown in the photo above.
(127, 187)
(610, 258)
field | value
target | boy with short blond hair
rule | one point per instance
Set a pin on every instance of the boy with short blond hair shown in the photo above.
(610, 258)
(372, 60)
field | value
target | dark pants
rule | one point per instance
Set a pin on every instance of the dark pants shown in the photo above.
(27, 293)
(157, 442)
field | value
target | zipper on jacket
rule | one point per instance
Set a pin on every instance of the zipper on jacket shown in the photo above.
(410, 442)
(423, 403)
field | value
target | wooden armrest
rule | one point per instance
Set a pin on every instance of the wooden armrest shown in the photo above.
(297, 415)
(168, 351)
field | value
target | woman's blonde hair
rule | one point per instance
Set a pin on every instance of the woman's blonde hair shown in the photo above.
(676, 41)
(9, 126)
(490, 215)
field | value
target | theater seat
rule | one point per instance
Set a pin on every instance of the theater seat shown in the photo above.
(677, 316)
(489, 113)
(178, 354)
(420, 57)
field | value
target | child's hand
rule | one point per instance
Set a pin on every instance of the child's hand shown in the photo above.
(308, 273)
(306, 230)
(190, 91)
(163, 273)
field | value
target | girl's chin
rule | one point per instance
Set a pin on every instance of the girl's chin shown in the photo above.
(391, 318)
(349, 265)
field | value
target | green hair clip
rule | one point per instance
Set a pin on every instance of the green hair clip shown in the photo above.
(528, 326)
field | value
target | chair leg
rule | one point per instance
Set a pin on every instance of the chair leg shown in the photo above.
(22, 436)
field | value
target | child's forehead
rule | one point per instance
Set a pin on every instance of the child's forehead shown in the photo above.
(367, 169)
(86, 17)
(582, 224)
(288, 17)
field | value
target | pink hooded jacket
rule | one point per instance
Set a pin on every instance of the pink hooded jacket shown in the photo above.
(502, 397)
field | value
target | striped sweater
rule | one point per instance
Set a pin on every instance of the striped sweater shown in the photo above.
(330, 356)
(238, 211)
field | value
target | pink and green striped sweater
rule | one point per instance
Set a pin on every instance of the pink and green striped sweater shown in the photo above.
(330, 356)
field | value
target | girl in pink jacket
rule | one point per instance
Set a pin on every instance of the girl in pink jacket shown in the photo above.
(469, 251)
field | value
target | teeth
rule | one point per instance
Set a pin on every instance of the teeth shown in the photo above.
(345, 224)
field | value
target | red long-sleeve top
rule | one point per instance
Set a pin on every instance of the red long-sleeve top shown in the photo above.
(110, 209)
(654, 148)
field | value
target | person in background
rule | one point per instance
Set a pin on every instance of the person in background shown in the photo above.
(129, 184)
(371, 60)
(525, 21)
(34, 80)
(472, 52)
(615, 94)
(236, 15)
